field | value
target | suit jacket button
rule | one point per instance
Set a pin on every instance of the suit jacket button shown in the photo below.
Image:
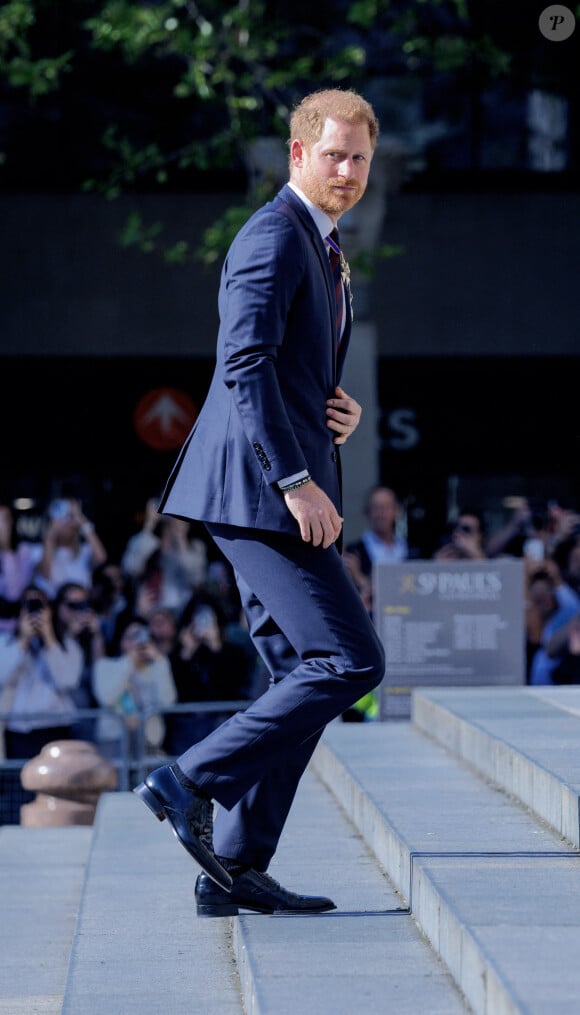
(334, 456)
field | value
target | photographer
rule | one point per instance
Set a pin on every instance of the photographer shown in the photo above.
(133, 683)
(111, 601)
(551, 605)
(71, 548)
(566, 650)
(18, 559)
(206, 667)
(77, 620)
(39, 672)
(535, 530)
(465, 538)
(164, 561)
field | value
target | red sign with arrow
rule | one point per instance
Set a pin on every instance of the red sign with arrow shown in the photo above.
(163, 418)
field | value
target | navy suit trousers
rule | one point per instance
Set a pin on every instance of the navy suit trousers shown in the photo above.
(310, 628)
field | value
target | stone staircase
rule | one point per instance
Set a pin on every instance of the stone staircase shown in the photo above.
(449, 843)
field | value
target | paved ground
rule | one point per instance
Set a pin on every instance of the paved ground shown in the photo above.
(441, 842)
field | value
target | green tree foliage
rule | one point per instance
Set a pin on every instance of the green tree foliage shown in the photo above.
(37, 74)
(232, 70)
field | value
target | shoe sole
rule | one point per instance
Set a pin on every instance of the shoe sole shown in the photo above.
(233, 909)
(195, 848)
(227, 909)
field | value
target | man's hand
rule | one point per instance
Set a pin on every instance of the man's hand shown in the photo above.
(343, 415)
(319, 521)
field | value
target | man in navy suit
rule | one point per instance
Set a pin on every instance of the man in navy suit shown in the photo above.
(261, 468)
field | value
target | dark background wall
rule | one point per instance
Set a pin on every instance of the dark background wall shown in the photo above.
(482, 274)
(486, 274)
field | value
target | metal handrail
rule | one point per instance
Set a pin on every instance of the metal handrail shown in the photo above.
(126, 763)
(145, 759)
(70, 717)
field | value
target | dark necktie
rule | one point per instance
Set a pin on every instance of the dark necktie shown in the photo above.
(336, 268)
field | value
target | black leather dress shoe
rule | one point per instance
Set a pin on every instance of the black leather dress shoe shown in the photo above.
(256, 891)
(191, 817)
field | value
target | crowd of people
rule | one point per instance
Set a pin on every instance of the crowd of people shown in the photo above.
(127, 639)
(547, 540)
(162, 626)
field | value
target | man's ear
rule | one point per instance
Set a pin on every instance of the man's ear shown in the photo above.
(297, 153)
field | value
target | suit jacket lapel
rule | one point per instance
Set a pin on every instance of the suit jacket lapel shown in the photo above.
(288, 195)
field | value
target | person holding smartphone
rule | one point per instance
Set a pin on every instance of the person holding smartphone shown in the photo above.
(76, 618)
(18, 559)
(42, 672)
(39, 674)
(71, 548)
(206, 667)
(133, 685)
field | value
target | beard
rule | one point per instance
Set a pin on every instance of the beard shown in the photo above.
(328, 195)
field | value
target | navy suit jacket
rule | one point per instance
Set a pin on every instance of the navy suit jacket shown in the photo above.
(264, 417)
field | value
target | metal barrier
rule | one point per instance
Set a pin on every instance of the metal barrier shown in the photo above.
(134, 757)
(147, 759)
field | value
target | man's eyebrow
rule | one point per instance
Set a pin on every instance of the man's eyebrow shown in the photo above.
(341, 149)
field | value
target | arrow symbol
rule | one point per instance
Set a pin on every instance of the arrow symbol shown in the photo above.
(166, 412)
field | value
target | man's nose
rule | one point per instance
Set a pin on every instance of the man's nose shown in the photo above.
(346, 167)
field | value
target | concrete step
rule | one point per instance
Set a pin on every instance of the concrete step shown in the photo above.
(495, 890)
(452, 896)
(366, 956)
(41, 878)
(139, 948)
(524, 739)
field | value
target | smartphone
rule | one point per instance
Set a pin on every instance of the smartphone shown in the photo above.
(59, 509)
(203, 621)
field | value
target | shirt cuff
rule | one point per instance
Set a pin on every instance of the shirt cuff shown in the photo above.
(289, 480)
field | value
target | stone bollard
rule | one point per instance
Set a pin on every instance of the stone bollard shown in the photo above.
(68, 777)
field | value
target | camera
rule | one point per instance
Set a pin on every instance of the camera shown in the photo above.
(34, 605)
